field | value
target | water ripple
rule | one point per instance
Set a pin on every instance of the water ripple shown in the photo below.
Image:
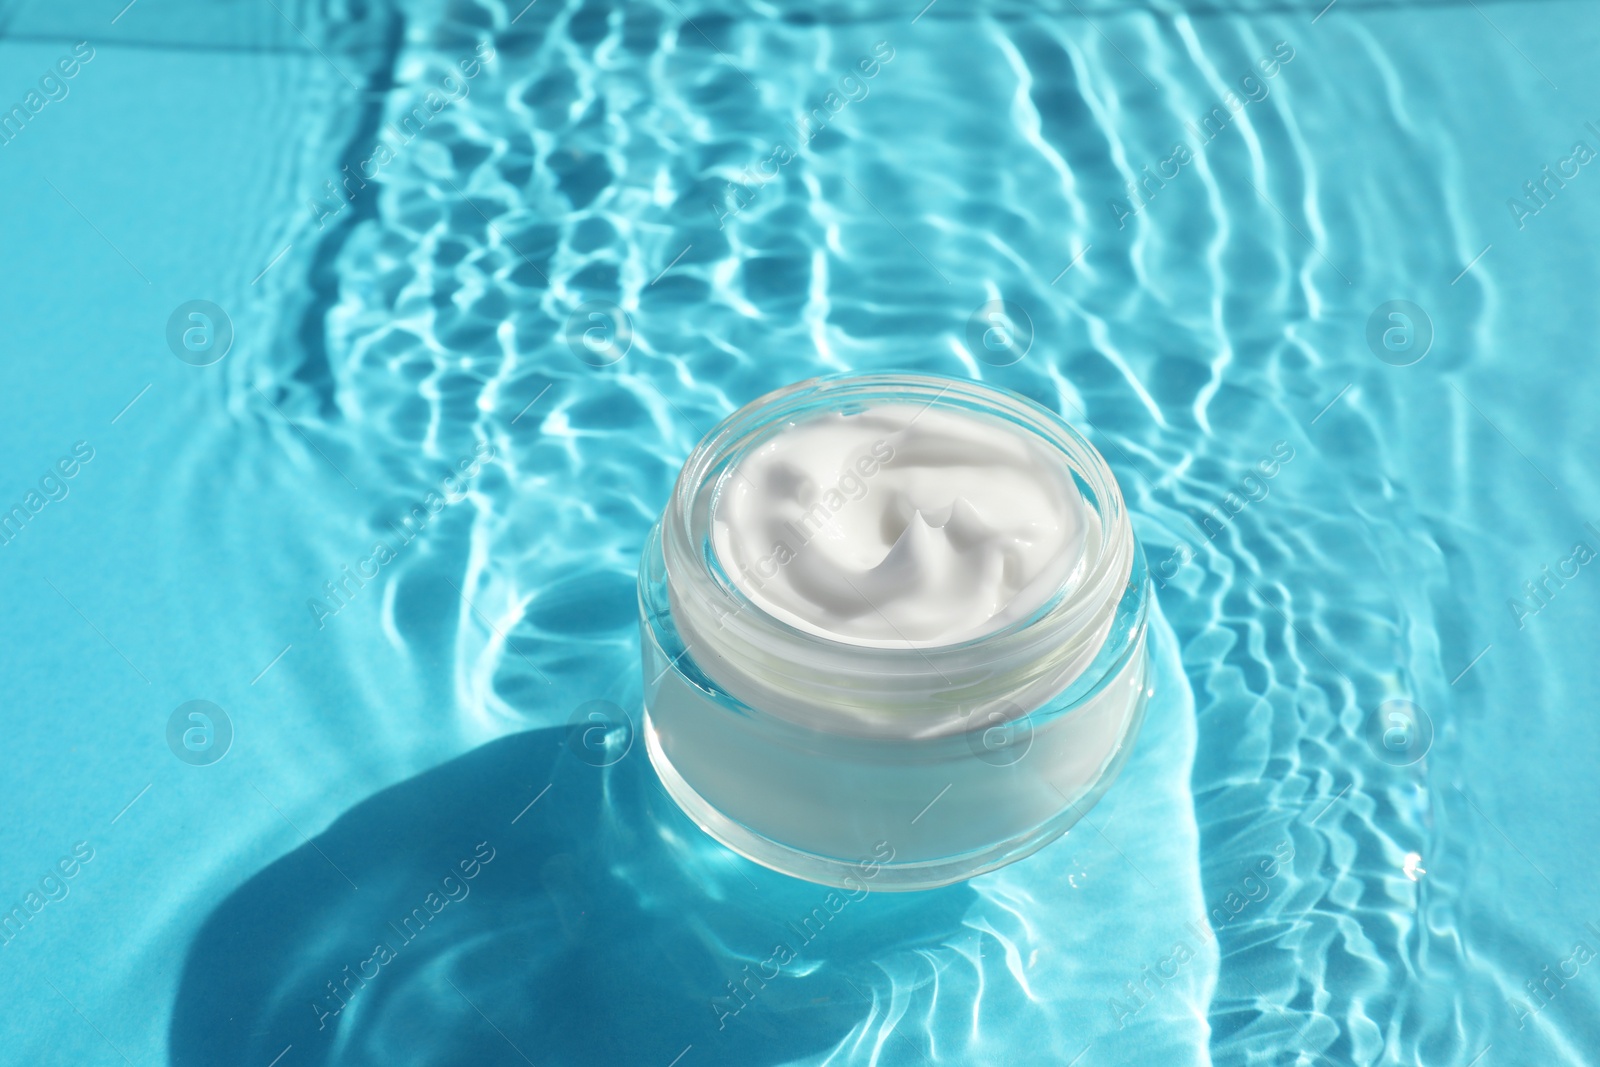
(1203, 324)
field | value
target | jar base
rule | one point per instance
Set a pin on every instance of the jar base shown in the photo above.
(874, 872)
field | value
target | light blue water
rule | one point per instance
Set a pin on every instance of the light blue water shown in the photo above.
(1433, 912)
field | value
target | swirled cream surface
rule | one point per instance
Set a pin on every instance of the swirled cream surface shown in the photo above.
(901, 524)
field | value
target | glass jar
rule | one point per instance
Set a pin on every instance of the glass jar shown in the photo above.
(892, 768)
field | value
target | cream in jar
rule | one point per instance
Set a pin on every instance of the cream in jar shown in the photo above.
(892, 618)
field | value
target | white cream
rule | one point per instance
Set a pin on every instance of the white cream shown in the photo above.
(901, 525)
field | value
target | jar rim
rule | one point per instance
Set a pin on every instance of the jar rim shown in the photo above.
(756, 651)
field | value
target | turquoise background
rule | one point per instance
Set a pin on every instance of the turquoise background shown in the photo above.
(374, 351)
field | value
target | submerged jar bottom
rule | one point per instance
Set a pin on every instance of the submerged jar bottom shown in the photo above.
(890, 813)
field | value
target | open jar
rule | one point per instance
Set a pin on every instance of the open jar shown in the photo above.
(866, 750)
